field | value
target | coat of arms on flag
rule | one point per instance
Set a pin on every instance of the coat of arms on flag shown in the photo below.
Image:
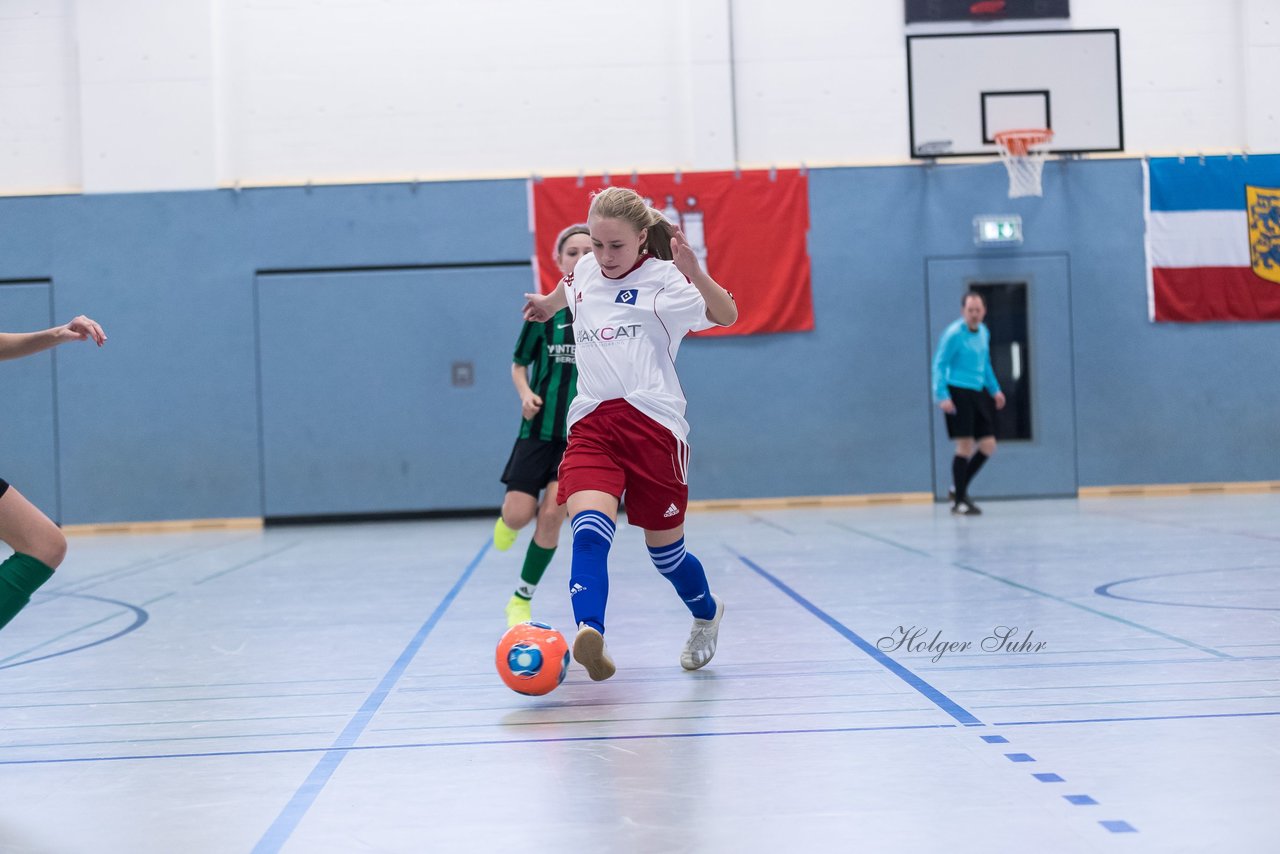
(1264, 231)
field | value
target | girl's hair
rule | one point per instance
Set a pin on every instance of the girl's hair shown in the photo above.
(628, 206)
(577, 228)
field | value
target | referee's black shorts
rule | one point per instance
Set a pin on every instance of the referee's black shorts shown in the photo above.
(533, 464)
(975, 415)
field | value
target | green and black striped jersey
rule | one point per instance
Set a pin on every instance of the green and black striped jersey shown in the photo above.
(547, 349)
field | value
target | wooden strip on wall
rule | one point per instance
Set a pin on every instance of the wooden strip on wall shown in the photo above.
(175, 526)
(1155, 490)
(814, 501)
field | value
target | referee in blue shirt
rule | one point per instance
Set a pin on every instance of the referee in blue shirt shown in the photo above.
(965, 387)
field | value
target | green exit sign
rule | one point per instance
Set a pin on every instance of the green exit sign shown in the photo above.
(998, 230)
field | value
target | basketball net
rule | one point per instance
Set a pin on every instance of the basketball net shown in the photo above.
(1023, 153)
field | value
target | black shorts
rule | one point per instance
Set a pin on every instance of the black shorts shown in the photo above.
(4, 486)
(975, 415)
(533, 464)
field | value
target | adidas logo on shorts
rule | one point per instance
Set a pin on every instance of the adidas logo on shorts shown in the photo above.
(671, 511)
(576, 589)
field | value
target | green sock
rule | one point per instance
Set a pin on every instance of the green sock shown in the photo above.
(20, 576)
(536, 561)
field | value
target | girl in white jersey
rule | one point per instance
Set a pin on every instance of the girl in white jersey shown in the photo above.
(38, 546)
(633, 300)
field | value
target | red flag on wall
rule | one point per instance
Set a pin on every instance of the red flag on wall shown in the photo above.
(750, 230)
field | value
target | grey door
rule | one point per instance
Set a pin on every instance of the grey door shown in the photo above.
(1037, 365)
(27, 446)
(387, 391)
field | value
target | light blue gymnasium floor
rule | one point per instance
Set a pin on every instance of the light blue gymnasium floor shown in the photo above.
(331, 689)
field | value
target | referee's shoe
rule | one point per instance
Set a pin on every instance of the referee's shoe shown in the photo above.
(963, 508)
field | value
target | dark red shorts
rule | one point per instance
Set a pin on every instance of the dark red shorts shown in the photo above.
(618, 449)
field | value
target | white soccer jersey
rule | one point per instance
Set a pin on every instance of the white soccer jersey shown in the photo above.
(627, 332)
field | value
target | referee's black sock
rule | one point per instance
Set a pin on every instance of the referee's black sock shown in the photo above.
(960, 476)
(975, 463)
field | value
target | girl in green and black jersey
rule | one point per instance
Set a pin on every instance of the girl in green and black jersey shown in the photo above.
(546, 378)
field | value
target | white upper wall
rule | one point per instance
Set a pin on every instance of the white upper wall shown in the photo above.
(333, 89)
(146, 92)
(39, 105)
(1261, 50)
(132, 95)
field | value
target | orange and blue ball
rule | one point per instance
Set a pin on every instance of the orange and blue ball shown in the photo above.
(532, 658)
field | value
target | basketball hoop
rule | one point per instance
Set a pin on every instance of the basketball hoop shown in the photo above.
(1023, 153)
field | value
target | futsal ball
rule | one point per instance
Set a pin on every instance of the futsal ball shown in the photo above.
(532, 658)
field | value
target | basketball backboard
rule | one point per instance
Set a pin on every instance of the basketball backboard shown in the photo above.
(984, 11)
(964, 88)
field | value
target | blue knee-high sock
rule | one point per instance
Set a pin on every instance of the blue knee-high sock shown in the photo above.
(589, 573)
(687, 576)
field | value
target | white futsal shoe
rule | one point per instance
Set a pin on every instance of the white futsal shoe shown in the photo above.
(700, 648)
(589, 651)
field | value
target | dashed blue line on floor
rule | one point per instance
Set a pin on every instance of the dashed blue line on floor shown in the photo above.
(995, 739)
(1019, 757)
(1119, 826)
(1081, 800)
(1048, 778)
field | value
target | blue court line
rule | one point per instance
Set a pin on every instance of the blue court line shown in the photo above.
(1095, 686)
(140, 618)
(1123, 702)
(108, 742)
(134, 688)
(725, 673)
(476, 743)
(1080, 800)
(181, 700)
(683, 678)
(501, 726)
(1141, 718)
(108, 574)
(178, 722)
(647, 719)
(575, 705)
(1253, 535)
(249, 562)
(284, 825)
(1105, 590)
(942, 701)
(1235, 659)
(1049, 778)
(1059, 599)
(666, 701)
(647, 736)
(50, 641)
(769, 523)
(1019, 757)
(128, 570)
